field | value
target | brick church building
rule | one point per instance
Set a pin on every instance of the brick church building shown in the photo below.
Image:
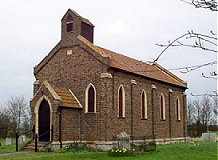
(90, 94)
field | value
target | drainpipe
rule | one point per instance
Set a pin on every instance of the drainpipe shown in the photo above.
(113, 91)
(170, 125)
(80, 135)
(60, 132)
(184, 116)
(133, 82)
(52, 133)
(153, 88)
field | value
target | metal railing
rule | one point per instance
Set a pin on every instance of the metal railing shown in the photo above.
(37, 137)
(18, 134)
(140, 143)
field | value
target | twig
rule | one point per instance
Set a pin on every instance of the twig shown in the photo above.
(213, 75)
(206, 4)
(199, 95)
(169, 46)
(198, 44)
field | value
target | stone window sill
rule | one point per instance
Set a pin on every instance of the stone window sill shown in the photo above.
(121, 117)
(90, 112)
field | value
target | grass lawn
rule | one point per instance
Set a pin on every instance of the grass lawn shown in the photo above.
(205, 151)
(7, 148)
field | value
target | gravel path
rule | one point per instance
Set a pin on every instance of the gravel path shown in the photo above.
(12, 154)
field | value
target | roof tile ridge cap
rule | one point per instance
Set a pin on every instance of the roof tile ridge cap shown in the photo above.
(73, 11)
(114, 52)
(91, 46)
(79, 16)
(121, 54)
(35, 95)
(132, 58)
(48, 55)
(101, 50)
(85, 20)
(80, 105)
(169, 73)
(51, 90)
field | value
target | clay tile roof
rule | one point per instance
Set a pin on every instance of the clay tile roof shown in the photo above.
(154, 71)
(68, 98)
(64, 95)
(92, 46)
(119, 61)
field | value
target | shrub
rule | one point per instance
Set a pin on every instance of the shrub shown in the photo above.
(147, 147)
(76, 147)
(120, 152)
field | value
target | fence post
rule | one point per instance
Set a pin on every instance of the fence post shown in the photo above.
(60, 127)
(16, 136)
(36, 138)
(52, 133)
(33, 131)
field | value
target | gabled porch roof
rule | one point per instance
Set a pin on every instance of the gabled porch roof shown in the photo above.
(65, 96)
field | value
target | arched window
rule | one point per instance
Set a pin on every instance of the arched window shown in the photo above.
(144, 112)
(90, 100)
(178, 109)
(121, 102)
(162, 107)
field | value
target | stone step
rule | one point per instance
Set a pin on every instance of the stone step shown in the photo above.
(40, 146)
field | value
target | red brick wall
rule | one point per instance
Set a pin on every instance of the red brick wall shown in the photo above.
(77, 70)
(144, 127)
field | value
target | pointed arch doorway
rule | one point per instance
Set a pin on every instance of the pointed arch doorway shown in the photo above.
(44, 121)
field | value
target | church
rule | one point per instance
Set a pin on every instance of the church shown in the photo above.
(86, 93)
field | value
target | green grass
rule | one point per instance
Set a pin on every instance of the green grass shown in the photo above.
(7, 149)
(204, 151)
(1, 140)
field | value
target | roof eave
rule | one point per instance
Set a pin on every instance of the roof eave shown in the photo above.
(157, 80)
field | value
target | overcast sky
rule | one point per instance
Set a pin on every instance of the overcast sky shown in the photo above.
(30, 28)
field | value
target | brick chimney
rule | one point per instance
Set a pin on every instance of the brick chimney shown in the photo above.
(72, 25)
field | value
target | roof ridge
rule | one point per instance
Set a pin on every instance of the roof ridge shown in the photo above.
(124, 55)
(169, 73)
(158, 66)
(92, 46)
(78, 15)
(80, 105)
(51, 90)
(48, 56)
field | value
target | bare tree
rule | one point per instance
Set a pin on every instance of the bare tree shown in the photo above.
(207, 42)
(17, 109)
(5, 123)
(212, 100)
(197, 111)
(190, 113)
(206, 111)
(201, 115)
(215, 108)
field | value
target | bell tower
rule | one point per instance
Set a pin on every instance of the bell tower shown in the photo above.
(72, 25)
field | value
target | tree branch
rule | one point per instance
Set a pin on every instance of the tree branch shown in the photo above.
(206, 4)
(198, 43)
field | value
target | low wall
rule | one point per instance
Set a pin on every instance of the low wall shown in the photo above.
(107, 145)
